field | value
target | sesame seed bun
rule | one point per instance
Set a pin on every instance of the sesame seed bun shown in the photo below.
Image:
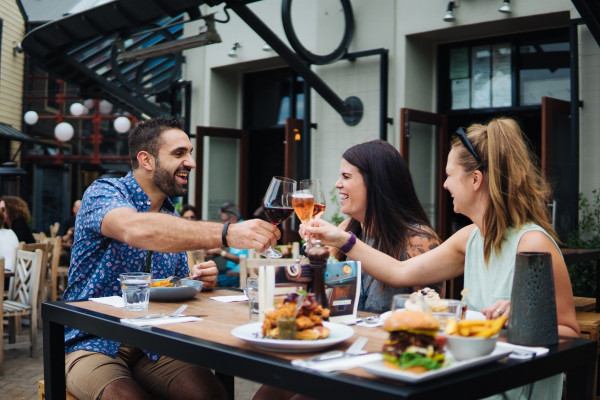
(407, 319)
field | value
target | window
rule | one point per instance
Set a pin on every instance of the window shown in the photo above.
(506, 72)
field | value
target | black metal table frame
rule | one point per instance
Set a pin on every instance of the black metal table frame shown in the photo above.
(575, 356)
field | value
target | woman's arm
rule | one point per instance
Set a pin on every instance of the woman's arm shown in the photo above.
(565, 305)
(444, 262)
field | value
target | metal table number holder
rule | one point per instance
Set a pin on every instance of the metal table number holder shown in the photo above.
(532, 319)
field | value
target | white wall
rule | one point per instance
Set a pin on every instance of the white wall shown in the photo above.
(411, 30)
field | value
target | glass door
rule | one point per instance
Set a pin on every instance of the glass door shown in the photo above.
(424, 146)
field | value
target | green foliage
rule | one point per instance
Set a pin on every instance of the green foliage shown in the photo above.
(586, 236)
(337, 218)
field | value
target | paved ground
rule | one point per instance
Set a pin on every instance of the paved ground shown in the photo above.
(21, 374)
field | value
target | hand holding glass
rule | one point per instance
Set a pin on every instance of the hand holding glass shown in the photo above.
(278, 205)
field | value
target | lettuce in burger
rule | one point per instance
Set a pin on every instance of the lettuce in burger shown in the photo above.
(413, 345)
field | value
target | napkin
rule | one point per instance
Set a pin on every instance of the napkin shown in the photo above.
(115, 301)
(339, 364)
(523, 352)
(158, 321)
(230, 299)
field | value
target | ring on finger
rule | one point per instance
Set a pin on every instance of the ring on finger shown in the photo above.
(499, 311)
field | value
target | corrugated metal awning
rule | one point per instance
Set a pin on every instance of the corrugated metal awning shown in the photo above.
(8, 132)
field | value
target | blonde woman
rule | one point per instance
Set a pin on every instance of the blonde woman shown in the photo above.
(493, 180)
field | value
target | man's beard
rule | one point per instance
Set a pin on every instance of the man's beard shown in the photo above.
(164, 180)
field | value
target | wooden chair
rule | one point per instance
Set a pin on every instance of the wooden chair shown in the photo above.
(195, 257)
(54, 229)
(46, 271)
(50, 277)
(249, 266)
(38, 236)
(23, 297)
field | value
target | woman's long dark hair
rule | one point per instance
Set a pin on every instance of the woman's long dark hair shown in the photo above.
(393, 210)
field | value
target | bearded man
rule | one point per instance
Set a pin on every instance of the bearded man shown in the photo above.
(124, 224)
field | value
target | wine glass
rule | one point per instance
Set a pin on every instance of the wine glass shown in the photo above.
(303, 202)
(315, 188)
(278, 205)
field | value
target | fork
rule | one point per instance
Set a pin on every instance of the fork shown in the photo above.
(354, 350)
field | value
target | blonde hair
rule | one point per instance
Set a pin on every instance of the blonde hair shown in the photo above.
(518, 193)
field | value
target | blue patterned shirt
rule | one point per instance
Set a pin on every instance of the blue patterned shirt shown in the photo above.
(97, 261)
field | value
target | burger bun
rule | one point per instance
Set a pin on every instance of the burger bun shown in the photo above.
(408, 319)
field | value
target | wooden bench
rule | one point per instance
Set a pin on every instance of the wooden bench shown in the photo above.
(589, 325)
(585, 303)
(42, 392)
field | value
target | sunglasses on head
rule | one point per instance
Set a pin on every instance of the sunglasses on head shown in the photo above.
(460, 133)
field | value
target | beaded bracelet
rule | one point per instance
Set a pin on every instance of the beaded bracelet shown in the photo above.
(224, 234)
(349, 244)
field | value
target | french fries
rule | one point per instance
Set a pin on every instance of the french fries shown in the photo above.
(475, 328)
(162, 283)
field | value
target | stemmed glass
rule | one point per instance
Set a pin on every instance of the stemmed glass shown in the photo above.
(315, 188)
(278, 205)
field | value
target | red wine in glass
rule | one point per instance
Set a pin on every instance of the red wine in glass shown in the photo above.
(278, 205)
(277, 215)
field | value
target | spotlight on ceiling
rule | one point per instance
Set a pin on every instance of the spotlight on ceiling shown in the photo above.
(233, 52)
(449, 16)
(505, 7)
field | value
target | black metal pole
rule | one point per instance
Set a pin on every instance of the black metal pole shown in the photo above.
(575, 104)
(289, 56)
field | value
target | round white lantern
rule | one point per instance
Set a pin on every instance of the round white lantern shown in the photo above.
(30, 117)
(122, 124)
(105, 107)
(89, 104)
(77, 109)
(64, 131)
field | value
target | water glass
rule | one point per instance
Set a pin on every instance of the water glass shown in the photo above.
(399, 301)
(251, 291)
(136, 290)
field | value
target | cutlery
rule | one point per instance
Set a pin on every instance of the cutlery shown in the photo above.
(175, 313)
(353, 350)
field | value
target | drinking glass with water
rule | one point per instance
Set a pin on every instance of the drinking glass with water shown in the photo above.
(136, 290)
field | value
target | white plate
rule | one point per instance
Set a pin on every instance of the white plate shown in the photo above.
(188, 289)
(251, 333)
(378, 368)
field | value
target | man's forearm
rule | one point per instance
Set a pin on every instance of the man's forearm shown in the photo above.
(160, 232)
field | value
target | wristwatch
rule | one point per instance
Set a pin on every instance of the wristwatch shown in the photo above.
(223, 253)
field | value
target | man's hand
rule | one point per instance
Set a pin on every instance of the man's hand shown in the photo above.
(253, 234)
(207, 273)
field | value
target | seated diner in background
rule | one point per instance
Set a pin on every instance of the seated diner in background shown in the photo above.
(494, 180)
(188, 212)
(230, 276)
(124, 225)
(16, 216)
(8, 245)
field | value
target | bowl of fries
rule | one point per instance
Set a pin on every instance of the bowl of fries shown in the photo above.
(472, 338)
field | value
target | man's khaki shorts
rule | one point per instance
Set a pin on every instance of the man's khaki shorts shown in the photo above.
(88, 373)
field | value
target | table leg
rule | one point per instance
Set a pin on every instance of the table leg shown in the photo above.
(54, 360)
(229, 384)
(580, 381)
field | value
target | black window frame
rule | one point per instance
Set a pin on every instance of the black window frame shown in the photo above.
(444, 102)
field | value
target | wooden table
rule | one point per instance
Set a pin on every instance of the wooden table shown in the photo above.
(210, 344)
(576, 256)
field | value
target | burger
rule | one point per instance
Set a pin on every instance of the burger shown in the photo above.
(413, 345)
